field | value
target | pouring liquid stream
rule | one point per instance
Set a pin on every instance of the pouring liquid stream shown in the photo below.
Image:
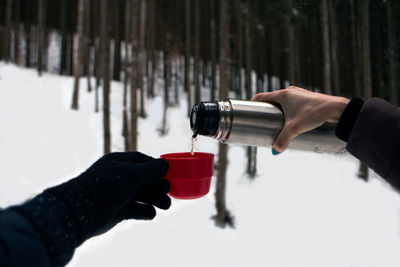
(194, 139)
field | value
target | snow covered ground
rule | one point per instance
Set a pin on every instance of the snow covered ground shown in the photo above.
(304, 209)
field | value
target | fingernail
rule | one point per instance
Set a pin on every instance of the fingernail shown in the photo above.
(274, 152)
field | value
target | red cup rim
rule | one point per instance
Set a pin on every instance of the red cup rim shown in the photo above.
(187, 155)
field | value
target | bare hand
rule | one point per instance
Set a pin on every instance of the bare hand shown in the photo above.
(304, 110)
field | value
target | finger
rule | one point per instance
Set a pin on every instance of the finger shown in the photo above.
(138, 211)
(161, 201)
(288, 132)
(155, 194)
(161, 186)
(130, 156)
(267, 97)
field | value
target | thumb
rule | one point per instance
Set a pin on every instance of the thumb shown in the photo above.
(288, 132)
(138, 211)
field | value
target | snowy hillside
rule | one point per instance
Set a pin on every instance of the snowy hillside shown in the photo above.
(303, 209)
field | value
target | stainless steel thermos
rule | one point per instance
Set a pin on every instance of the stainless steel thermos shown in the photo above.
(256, 124)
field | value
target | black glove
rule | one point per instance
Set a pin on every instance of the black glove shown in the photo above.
(116, 187)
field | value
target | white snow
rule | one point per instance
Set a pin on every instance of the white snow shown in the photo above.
(303, 209)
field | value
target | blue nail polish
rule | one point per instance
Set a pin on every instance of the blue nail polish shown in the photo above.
(274, 152)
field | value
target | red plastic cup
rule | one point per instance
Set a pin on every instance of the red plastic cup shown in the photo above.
(189, 175)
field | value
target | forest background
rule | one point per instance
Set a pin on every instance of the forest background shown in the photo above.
(213, 49)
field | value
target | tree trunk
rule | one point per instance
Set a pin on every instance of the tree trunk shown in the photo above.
(197, 51)
(7, 32)
(248, 55)
(64, 43)
(105, 66)
(142, 52)
(125, 123)
(152, 50)
(176, 80)
(17, 33)
(354, 47)
(252, 161)
(88, 45)
(70, 50)
(134, 72)
(167, 77)
(41, 29)
(97, 73)
(46, 49)
(213, 53)
(248, 37)
(28, 46)
(79, 62)
(326, 48)
(167, 71)
(117, 43)
(334, 48)
(366, 66)
(363, 171)
(366, 54)
(291, 53)
(187, 55)
(223, 216)
(240, 47)
(393, 51)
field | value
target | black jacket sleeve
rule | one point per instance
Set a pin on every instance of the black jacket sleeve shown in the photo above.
(372, 132)
(20, 243)
(39, 232)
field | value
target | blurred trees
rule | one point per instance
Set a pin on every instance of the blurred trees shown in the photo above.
(341, 46)
(228, 48)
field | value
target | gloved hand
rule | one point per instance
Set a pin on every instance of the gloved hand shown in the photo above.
(116, 187)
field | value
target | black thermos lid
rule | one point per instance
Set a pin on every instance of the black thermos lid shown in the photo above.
(204, 118)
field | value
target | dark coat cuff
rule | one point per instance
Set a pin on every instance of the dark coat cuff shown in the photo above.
(348, 118)
(53, 221)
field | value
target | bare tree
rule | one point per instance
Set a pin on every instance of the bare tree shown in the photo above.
(354, 49)
(366, 53)
(117, 42)
(223, 216)
(251, 151)
(134, 73)
(17, 33)
(152, 50)
(366, 67)
(7, 32)
(196, 51)
(79, 62)
(97, 72)
(87, 45)
(142, 52)
(125, 126)
(28, 46)
(334, 48)
(213, 52)
(291, 51)
(248, 66)
(239, 15)
(105, 66)
(64, 43)
(41, 29)
(326, 48)
(167, 79)
(187, 55)
(393, 51)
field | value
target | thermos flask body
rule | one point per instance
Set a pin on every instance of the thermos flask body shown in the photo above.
(254, 123)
